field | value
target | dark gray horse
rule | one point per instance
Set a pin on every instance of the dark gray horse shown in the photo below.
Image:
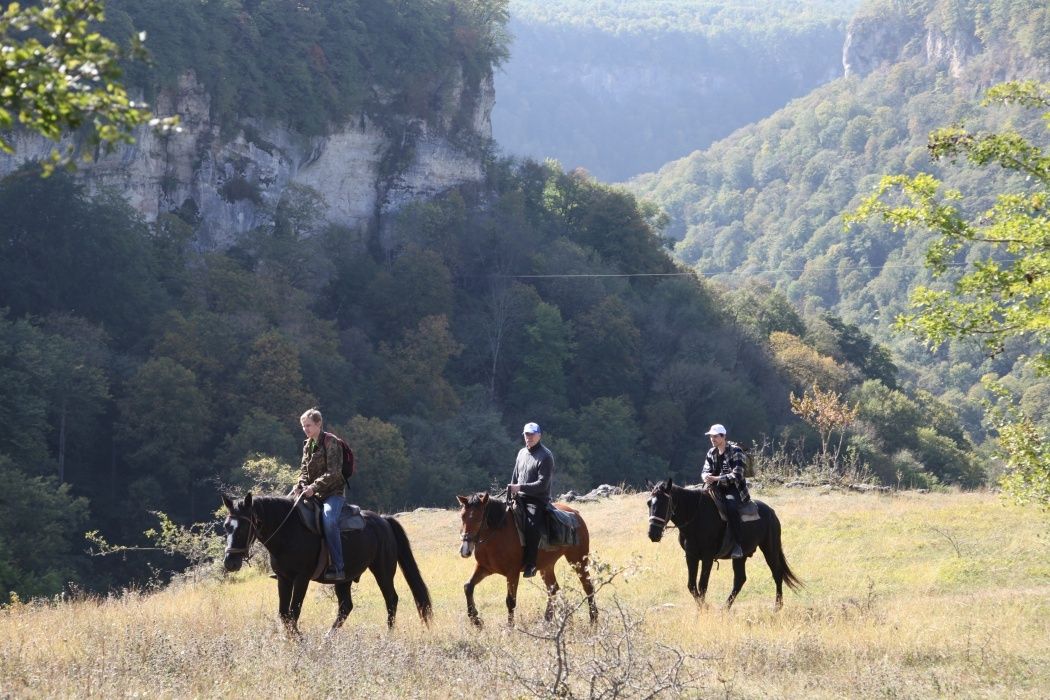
(701, 531)
(294, 551)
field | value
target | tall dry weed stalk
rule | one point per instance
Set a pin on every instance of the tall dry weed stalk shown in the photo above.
(613, 658)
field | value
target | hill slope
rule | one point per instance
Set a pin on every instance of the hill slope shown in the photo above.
(907, 595)
(766, 204)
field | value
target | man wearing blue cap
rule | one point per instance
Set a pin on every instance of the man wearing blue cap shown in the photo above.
(724, 472)
(530, 485)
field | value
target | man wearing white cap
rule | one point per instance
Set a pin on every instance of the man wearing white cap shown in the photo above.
(530, 485)
(724, 472)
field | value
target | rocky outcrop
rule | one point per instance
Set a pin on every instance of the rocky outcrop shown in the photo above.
(874, 41)
(951, 51)
(229, 181)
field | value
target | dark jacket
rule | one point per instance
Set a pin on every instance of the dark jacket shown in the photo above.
(729, 468)
(322, 468)
(534, 472)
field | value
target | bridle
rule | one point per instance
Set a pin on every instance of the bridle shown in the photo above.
(253, 534)
(656, 519)
(475, 539)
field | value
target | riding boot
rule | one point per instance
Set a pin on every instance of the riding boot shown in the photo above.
(531, 521)
(734, 522)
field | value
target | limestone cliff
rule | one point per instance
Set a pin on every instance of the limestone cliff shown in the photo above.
(873, 41)
(228, 181)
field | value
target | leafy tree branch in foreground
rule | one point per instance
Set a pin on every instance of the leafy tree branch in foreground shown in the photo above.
(1004, 293)
(58, 74)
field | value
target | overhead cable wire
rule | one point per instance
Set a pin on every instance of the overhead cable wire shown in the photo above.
(745, 269)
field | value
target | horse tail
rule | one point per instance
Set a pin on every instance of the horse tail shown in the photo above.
(793, 582)
(407, 562)
(777, 546)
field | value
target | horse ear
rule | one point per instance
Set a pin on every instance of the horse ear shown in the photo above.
(670, 482)
(649, 485)
(248, 500)
(227, 501)
(484, 498)
(462, 500)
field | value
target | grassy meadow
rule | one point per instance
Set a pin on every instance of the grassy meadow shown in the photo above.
(907, 595)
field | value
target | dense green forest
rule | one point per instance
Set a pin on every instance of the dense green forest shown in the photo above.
(311, 64)
(766, 204)
(620, 88)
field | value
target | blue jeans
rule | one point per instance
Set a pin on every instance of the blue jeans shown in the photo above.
(332, 507)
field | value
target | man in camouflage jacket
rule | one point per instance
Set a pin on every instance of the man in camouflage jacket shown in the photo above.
(321, 475)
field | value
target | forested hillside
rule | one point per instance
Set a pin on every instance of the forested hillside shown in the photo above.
(310, 64)
(766, 205)
(620, 87)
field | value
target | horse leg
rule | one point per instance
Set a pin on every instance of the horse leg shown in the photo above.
(284, 601)
(705, 577)
(384, 576)
(739, 577)
(346, 604)
(295, 607)
(468, 589)
(551, 582)
(580, 564)
(512, 596)
(692, 562)
(773, 561)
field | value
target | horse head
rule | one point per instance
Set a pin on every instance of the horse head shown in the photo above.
(661, 508)
(472, 520)
(241, 531)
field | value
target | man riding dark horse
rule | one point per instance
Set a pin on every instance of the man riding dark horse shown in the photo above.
(724, 473)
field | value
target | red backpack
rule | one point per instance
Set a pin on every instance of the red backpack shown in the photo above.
(349, 464)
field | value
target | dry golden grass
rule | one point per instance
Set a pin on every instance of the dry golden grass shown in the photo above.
(907, 596)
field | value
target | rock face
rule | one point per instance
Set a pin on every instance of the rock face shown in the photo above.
(874, 41)
(229, 183)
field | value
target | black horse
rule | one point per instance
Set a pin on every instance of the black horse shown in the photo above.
(294, 551)
(701, 531)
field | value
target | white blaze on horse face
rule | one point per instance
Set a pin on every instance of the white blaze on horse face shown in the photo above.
(466, 548)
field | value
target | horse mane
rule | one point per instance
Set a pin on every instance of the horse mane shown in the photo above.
(271, 506)
(495, 511)
(689, 498)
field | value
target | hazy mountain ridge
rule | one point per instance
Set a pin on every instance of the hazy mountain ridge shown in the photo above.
(765, 203)
(618, 88)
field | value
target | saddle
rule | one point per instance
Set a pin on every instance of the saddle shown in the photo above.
(748, 511)
(310, 512)
(560, 527)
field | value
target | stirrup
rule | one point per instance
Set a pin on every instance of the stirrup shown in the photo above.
(334, 575)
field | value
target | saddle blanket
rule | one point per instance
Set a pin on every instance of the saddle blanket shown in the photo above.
(560, 528)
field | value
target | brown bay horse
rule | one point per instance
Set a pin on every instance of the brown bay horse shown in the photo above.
(490, 533)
